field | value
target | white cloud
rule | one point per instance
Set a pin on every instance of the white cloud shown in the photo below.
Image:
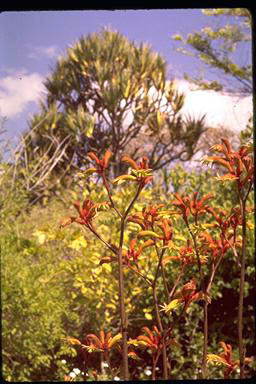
(37, 52)
(18, 90)
(222, 110)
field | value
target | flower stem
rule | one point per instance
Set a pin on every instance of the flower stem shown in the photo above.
(121, 289)
(203, 288)
(159, 322)
(241, 291)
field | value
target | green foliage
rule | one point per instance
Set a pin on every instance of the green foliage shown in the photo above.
(53, 285)
(105, 93)
(13, 198)
(246, 135)
(32, 312)
(216, 47)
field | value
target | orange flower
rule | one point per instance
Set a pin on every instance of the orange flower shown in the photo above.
(86, 213)
(187, 294)
(215, 248)
(147, 217)
(238, 164)
(140, 171)
(166, 228)
(187, 255)
(192, 206)
(151, 340)
(225, 358)
(101, 165)
(134, 253)
(222, 222)
(103, 343)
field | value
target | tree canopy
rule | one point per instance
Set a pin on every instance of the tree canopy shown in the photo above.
(217, 48)
(107, 92)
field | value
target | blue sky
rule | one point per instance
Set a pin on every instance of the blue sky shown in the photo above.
(31, 42)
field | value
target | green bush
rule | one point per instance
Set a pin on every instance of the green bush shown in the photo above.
(53, 287)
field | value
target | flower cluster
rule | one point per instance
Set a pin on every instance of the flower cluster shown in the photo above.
(238, 164)
(147, 217)
(101, 165)
(86, 213)
(152, 340)
(140, 173)
(192, 205)
(225, 359)
(134, 252)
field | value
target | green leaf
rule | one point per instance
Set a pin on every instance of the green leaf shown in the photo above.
(172, 305)
(88, 171)
(141, 172)
(216, 359)
(127, 89)
(177, 37)
(73, 341)
(121, 179)
(78, 243)
(115, 340)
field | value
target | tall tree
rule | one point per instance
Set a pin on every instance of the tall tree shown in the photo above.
(217, 48)
(107, 92)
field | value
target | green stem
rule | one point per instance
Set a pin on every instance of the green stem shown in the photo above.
(213, 272)
(159, 322)
(242, 202)
(176, 282)
(153, 367)
(122, 306)
(140, 274)
(106, 185)
(203, 288)
(241, 291)
(160, 258)
(197, 257)
(160, 326)
(121, 289)
(101, 239)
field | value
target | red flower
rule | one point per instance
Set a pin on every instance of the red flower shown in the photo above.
(86, 213)
(102, 343)
(153, 339)
(166, 228)
(238, 164)
(225, 358)
(147, 217)
(140, 171)
(134, 253)
(101, 165)
(192, 206)
(187, 294)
